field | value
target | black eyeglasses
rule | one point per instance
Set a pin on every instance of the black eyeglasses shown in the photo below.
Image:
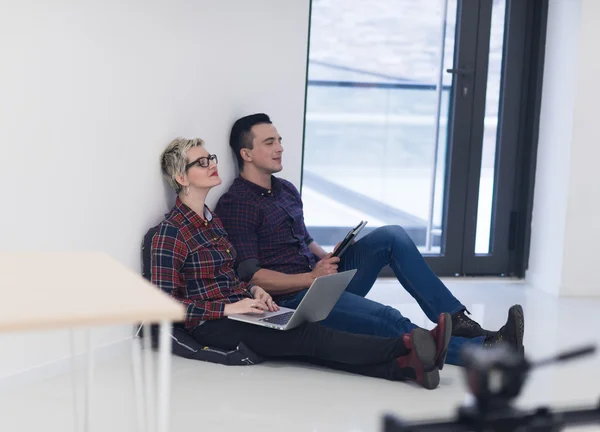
(203, 161)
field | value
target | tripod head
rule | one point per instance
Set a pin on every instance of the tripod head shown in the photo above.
(495, 377)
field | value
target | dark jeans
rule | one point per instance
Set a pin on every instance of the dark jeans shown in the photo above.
(389, 245)
(366, 355)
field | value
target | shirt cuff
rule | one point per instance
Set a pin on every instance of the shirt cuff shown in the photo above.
(247, 268)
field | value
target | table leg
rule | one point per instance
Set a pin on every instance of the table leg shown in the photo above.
(138, 382)
(74, 380)
(164, 376)
(89, 352)
(149, 380)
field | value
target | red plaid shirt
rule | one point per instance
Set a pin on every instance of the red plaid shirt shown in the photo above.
(193, 261)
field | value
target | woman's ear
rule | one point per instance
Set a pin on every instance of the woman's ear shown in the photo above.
(182, 180)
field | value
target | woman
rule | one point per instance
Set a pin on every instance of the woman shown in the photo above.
(193, 261)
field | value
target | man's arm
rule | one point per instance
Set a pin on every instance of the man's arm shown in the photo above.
(280, 283)
(315, 248)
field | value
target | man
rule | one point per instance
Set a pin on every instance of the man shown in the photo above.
(264, 218)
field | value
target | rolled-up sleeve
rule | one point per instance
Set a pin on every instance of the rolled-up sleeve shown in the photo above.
(241, 219)
(247, 268)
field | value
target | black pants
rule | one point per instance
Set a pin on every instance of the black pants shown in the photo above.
(366, 355)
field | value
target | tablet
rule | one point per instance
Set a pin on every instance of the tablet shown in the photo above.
(347, 242)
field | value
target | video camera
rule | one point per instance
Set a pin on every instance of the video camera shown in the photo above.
(495, 377)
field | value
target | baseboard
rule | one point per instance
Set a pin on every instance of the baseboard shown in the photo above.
(582, 291)
(63, 366)
(538, 282)
(557, 289)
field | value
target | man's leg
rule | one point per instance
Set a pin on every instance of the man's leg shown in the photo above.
(355, 314)
(392, 245)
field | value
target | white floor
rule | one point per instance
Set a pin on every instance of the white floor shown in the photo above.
(209, 397)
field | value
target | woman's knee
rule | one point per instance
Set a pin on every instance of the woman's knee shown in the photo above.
(309, 330)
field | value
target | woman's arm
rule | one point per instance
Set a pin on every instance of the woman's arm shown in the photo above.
(169, 252)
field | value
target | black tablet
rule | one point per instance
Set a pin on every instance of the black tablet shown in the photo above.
(347, 242)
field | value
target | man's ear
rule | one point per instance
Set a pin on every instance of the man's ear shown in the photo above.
(246, 154)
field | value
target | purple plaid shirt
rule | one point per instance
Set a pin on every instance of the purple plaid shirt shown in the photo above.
(266, 226)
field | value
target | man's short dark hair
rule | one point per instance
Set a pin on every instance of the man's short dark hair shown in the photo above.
(241, 134)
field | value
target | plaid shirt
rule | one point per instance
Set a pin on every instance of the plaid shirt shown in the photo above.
(266, 227)
(192, 260)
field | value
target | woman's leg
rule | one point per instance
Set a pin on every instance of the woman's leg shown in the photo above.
(389, 370)
(310, 339)
(388, 358)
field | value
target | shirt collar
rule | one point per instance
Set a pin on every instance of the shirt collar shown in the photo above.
(193, 217)
(259, 190)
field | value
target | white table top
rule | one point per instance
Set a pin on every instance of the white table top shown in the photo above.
(56, 289)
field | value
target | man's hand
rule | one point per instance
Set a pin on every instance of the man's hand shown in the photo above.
(328, 265)
(338, 245)
(262, 295)
(246, 306)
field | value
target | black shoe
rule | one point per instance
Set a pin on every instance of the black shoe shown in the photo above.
(512, 332)
(463, 326)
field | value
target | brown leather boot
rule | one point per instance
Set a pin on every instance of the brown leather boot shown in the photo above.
(419, 364)
(441, 335)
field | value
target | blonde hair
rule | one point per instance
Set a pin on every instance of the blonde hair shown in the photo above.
(174, 159)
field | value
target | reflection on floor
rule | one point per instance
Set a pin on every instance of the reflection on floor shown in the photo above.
(277, 396)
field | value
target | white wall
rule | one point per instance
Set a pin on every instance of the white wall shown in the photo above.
(565, 231)
(553, 158)
(90, 94)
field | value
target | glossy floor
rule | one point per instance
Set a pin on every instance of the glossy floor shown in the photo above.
(295, 397)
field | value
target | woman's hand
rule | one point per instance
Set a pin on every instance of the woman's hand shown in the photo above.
(261, 294)
(246, 306)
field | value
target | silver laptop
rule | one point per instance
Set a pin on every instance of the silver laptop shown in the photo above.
(316, 305)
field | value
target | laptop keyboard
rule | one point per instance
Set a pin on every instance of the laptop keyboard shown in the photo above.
(280, 319)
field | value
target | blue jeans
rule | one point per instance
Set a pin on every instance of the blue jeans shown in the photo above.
(388, 245)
